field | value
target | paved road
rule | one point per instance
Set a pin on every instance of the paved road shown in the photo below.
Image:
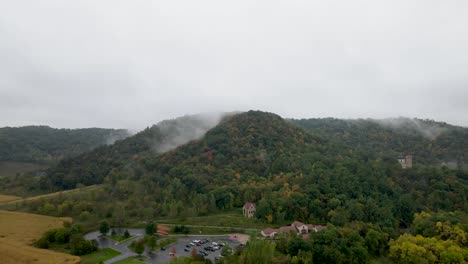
(122, 247)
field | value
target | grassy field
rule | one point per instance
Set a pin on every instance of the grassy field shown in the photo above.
(19, 230)
(102, 254)
(130, 260)
(8, 198)
(10, 168)
(49, 195)
(232, 219)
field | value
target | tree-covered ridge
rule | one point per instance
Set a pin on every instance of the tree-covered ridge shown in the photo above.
(242, 147)
(290, 173)
(43, 143)
(92, 167)
(430, 142)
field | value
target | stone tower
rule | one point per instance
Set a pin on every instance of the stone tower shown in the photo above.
(409, 161)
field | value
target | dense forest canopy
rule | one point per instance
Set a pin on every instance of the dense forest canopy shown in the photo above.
(429, 142)
(91, 167)
(43, 143)
(291, 173)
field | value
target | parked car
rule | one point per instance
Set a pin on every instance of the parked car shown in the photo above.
(186, 249)
(208, 248)
(163, 248)
(192, 244)
(216, 248)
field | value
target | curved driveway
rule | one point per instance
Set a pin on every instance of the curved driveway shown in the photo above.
(121, 247)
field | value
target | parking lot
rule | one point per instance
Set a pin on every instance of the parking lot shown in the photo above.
(183, 247)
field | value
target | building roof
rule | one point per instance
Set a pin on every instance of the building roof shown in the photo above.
(249, 205)
(297, 224)
(268, 231)
(287, 228)
(163, 228)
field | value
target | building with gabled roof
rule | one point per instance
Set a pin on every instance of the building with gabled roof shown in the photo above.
(249, 210)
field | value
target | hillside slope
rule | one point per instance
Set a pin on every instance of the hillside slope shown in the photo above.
(430, 142)
(92, 167)
(43, 143)
(255, 156)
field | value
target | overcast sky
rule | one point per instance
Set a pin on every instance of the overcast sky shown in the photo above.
(129, 64)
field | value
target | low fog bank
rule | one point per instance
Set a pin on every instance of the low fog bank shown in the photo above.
(428, 128)
(117, 135)
(184, 129)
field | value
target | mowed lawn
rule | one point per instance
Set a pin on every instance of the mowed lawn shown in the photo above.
(19, 230)
(102, 254)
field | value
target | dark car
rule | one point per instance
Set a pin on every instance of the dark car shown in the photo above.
(203, 252)
(208, 248)
(163, 248)
(186, 249)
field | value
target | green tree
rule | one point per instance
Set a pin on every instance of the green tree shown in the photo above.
(418, 249)
(297, 244)
(150, 228)
(62, 235)
(226, 251)
(139, 247)
(104, 227)
(376, 242)
(257, 252)
(79, 246)
(152, 242)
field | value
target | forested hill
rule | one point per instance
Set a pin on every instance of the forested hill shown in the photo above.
(363, 195)
(430, 142)
(291, 173)
(43, 143)
(92, 167)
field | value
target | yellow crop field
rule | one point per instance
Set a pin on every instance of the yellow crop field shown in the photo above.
(19, 230)
(7, 198)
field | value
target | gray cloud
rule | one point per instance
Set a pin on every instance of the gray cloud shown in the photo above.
(133, 63)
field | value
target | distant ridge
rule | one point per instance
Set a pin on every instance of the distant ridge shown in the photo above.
(45, 144)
